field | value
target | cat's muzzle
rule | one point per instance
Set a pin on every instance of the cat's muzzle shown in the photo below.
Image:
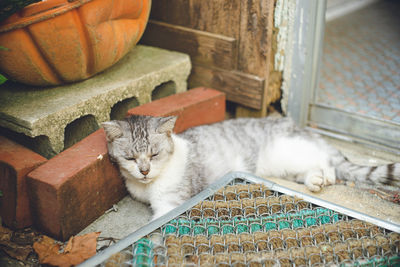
(145, 180)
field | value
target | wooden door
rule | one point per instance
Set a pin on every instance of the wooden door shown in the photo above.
(229, 42)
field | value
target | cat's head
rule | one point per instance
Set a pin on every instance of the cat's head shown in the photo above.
(140, 145)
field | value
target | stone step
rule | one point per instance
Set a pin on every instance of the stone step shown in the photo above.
(58, 117)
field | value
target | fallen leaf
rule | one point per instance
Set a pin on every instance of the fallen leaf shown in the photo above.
(78, 249)
(68, 247)
(25, 237)
(5, 234)
(15, 251)
(46, 248)
(12, 248)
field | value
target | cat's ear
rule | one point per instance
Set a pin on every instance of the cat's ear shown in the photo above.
(113, 130)
(167, 124)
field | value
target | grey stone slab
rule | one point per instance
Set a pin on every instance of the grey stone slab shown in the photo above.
(36, 111)
(129, 217)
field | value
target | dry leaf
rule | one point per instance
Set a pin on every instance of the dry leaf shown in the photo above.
(46, 248)
(24, 237)
(5, 234)
(14, 250)
(68, 247)
(78, 249)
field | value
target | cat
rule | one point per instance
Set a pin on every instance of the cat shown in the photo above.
(166, 169)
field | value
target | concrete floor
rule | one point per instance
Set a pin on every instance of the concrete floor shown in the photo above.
(131, 215)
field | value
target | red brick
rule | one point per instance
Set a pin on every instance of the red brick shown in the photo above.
(75, 187)
(194, 107)
(16, 162)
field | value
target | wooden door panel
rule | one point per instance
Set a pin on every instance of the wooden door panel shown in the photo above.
(256, 23)
(229, 42)
(215, 16)
(239, 87)
(204, 48)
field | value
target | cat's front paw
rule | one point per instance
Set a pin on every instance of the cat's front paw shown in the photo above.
(315, 181)
(161, 209)
(158, 214)
(314, 184)
(155, 217)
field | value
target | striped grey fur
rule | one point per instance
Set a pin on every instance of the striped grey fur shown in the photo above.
(200, 155)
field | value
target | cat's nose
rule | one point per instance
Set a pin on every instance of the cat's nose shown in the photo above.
(144, 172)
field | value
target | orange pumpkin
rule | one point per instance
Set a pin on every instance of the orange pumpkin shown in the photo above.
(61, 41)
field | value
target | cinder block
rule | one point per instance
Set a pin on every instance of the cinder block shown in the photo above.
(195, 107)
(75, 187)
(136, 75)
(16, 162)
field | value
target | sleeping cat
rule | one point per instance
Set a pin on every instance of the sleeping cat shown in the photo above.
(165, 169)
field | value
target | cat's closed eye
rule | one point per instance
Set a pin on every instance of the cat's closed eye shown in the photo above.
(130, 158)
(154, 155)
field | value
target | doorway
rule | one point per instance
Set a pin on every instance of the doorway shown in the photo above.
(355, 76)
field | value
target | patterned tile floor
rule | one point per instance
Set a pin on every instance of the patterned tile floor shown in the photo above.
(361, 62)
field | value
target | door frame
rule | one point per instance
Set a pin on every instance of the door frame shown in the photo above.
(306, 54)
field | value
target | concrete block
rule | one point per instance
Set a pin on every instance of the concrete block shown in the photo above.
(195, 107)
(47, 111)
(15, 163)
(75, 187)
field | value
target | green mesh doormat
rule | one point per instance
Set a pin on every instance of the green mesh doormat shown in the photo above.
(246, 223)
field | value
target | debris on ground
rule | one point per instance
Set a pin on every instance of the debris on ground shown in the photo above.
(27, 247)
(18, 245)
(78, 249)
(388, 193)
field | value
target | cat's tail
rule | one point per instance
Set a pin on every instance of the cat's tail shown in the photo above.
(384, 174)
